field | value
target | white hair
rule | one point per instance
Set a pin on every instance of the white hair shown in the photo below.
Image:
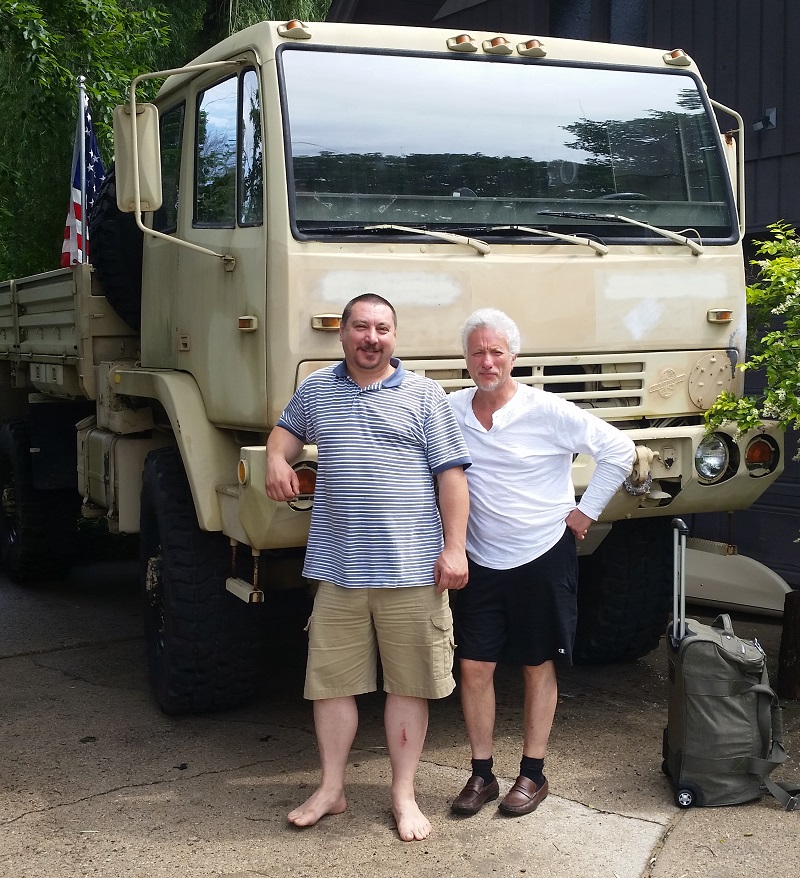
(491, 318)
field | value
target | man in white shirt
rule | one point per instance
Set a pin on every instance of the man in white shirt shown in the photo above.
(520, 604)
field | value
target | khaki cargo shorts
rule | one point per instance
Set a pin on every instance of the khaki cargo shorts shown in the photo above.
(410, 629)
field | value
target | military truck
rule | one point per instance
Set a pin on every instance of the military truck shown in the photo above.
(583, 188)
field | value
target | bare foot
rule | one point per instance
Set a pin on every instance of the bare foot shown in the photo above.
(319, 804)
(412, 824)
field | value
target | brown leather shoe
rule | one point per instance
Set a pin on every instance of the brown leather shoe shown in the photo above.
(475, 795)
(523, 797)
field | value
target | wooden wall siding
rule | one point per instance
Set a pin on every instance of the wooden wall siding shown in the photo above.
(746, 51)
(531, 16)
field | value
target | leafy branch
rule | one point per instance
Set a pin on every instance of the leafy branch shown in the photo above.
(774, 307)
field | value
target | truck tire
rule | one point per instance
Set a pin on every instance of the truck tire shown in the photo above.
(37, 528)
(203, 644)
(115, 250)
(625, 593)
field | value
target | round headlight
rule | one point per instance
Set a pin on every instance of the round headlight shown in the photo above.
(711, 458)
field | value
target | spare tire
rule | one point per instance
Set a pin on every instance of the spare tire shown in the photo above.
(115, 250)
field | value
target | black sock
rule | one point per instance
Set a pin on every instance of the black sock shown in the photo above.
(483, 769)
(532, 769)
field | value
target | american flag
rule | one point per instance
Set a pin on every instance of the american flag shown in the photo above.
(76, 234)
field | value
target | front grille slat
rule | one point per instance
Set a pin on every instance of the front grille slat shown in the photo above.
(611, 386)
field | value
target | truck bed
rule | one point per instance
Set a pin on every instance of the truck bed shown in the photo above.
(55, 328)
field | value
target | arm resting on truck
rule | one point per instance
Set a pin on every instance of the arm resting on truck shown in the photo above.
(281, 481)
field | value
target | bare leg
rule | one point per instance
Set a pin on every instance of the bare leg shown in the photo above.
(477, 704)
(541, 697)
(406, 721)
(336, 722)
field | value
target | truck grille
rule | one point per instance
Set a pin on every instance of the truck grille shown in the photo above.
(605, 384)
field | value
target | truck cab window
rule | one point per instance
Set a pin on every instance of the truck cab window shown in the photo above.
(229, 163)
(215, 156)
(251, 159)
(171, 124)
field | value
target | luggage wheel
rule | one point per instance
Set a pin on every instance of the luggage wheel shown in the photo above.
(686, 796)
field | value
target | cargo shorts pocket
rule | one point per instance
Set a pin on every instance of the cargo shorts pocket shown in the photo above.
(443, 644)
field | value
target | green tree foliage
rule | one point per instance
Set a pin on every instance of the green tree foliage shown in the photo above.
(774, 309)
(44, 46)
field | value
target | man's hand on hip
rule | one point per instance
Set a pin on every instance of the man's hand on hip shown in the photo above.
(579, 523)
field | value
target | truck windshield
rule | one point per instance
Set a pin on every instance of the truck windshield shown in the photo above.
(484, 144)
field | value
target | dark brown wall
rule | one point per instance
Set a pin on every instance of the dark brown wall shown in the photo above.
(747, 52)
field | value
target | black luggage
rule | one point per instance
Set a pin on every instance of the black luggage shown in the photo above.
(724, 733)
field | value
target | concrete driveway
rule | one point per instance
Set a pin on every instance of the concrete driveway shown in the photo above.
(96, 781)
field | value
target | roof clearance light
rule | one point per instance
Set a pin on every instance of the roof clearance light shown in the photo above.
(294, 30)
(462, 43)
(677, 58)
(532, 49)
(497, 46)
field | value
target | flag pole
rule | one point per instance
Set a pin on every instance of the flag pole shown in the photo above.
(82, 141)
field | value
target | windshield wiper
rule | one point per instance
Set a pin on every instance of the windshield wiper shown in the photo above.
(450, 237)
(695, 246)
(599, 249)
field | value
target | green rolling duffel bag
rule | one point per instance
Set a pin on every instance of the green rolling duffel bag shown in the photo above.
(724, 733)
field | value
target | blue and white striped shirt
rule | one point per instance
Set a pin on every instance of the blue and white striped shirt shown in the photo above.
(375, 521)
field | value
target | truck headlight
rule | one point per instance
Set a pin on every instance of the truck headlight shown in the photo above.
(713, 457)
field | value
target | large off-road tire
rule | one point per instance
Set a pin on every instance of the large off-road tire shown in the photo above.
(204, 645)
(625, 592)
(37, 528)
(115, 251)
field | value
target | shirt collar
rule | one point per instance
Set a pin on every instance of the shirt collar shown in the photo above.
(394, 380)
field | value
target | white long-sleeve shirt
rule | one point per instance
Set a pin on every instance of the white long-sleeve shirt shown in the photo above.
(520, 481)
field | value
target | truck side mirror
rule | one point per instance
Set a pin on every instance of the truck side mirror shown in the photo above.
(144, 164)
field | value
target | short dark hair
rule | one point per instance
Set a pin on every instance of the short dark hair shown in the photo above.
(375, 299)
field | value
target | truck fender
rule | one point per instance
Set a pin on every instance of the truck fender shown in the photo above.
(210, 455)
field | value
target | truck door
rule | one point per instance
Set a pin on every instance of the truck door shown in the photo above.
(219, 327)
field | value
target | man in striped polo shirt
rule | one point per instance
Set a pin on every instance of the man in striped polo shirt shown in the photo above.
(382, 550)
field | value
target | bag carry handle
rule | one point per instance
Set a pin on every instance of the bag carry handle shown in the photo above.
(723, 621)
(679, 532)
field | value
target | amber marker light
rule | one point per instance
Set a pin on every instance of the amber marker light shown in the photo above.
(307, 478)
(306, 471)
(462, 43)
(761, 456)
(326, 322)
(719, 315)
(677, 58)
(242, 472)
(294, 30)
(532, 49)
(497, 46)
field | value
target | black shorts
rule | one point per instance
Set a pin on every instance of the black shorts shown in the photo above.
(524, 616)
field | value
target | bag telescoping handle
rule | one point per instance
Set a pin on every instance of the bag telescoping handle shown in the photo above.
(679, 533)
